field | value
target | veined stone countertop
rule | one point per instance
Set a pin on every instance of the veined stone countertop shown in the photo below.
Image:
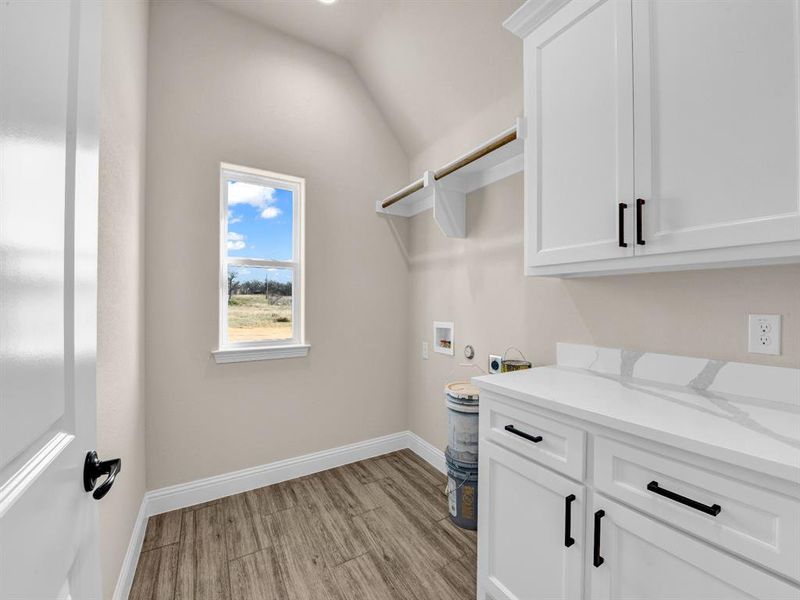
(744, 414)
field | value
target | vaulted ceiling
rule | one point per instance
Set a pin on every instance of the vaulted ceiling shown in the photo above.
(429, 64)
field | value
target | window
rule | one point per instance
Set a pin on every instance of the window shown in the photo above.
(261, 265)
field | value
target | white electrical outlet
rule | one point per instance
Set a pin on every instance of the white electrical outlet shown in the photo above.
(494, 363)
(764, 334)
(425, 350)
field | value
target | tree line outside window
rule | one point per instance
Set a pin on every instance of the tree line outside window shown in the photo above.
(253, 287)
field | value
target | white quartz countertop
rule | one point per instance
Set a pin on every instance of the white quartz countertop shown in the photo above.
(755, 433)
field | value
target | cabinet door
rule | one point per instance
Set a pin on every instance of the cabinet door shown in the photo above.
(641, 558)
(523, 551)
(579, 148)
(716, 121)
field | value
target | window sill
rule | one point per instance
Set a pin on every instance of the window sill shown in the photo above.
(230, 355)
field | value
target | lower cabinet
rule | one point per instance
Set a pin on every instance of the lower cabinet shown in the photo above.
(535, 543)
(631, 556)
(531, 529)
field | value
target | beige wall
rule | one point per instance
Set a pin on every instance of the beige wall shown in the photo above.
(224, 89)
(434, 66)
(481, 126)
(120, 319)
(478, 283)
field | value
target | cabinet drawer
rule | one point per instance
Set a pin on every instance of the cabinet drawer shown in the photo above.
(551, 443)
(753, 522)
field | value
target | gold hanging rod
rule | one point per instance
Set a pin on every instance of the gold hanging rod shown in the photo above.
(488, 147)
(406, 191)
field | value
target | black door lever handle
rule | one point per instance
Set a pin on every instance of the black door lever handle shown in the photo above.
(93, 468)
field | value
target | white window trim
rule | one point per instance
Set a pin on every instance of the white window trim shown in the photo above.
(295, 347)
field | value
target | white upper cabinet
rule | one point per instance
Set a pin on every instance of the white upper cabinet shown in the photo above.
(716, 109)
(684, 111)
(579, 162)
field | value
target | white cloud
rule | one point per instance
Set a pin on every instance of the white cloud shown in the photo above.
(271, 212)
(232, 219)
(257, 196)
(235, 241)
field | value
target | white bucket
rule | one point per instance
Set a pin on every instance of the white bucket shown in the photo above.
(462, 421)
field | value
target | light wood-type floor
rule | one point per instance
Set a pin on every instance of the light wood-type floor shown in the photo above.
(373, 530)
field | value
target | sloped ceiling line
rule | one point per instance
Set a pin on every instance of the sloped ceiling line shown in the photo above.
(429, 65)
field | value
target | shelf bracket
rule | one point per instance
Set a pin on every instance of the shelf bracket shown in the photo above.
(445, 190)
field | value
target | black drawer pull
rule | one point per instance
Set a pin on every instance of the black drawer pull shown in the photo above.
(712, 510)
(533, 438)
(568, 539)
(621, 225)
(639, 238)
(597, 560)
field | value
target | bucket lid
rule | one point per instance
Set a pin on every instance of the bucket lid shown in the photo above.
(462, 390)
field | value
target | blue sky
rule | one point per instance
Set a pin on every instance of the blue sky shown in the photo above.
(259, 221)
(259, 226)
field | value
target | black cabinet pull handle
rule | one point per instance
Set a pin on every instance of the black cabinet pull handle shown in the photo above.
(94, 468)
(712, 510)
(533, 438)
(621, 226)
(598, 560)
(568, 539)
(639, 238)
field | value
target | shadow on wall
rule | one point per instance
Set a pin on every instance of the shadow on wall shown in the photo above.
(399, 227)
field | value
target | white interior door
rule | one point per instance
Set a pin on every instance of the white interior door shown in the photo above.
(716, 121)
(523, 529)
(49, 92)
(579, 149)
(641, 558)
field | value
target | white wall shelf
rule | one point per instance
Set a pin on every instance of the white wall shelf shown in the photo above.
(445, 190)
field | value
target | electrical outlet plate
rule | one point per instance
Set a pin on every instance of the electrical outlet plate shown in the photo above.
(494, 363)
(764, 334)
(425, 350)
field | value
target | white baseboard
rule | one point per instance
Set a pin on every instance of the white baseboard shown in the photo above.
(427, 451)
(128, 570)
(202, 490)
(211, 488)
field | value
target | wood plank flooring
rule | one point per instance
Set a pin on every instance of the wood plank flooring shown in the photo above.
(376, 529)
